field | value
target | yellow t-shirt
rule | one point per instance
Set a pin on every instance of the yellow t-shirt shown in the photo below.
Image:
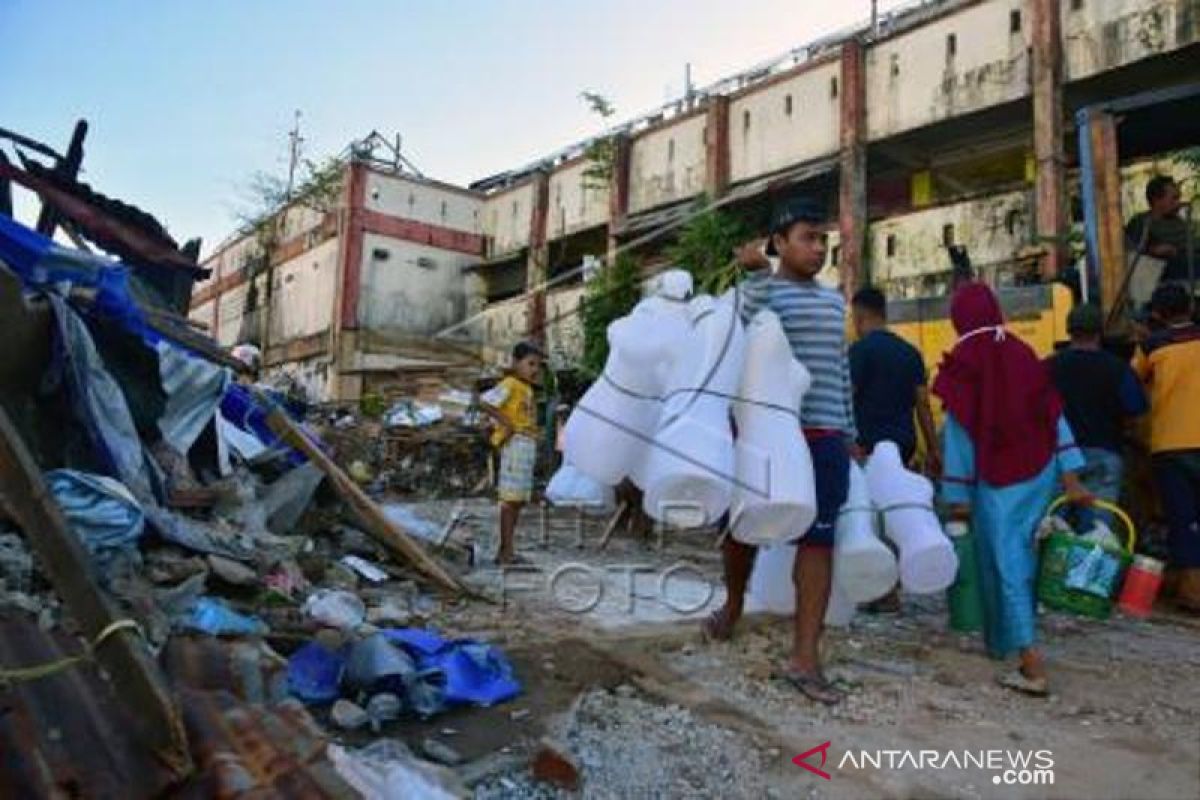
(513, 398)
(1169, 365)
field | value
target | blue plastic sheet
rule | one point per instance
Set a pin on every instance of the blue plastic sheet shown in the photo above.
(210, 615)
(448, 672)
(99, 510)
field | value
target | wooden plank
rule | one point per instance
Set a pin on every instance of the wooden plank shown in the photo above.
(124, 655)
(67, 168)
(376, 524)
(1111, 234)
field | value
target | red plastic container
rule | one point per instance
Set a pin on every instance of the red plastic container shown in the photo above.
(1142, 582)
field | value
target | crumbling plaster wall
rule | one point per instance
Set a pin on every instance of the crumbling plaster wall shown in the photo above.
(666, 164)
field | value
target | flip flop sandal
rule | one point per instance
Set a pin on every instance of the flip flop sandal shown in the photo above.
(715, 629)
(814, 687)
(1020, 682)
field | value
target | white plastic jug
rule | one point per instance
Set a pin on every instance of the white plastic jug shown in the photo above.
(774, 498)
(607, 434)
(772, 590)
(688, 480)
(928, 563)
(863, 566)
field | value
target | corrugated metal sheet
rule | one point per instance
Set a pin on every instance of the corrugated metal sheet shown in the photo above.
(66, 736)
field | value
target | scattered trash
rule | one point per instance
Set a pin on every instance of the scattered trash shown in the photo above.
(553, 764)
(315, 673)
(375, 663)
(232, 572)
(365, 568)
(441, 752)
(99, 510)
(407, 414)
(391, 612)
(349, 716)
(411, 523)
(213, 616)
(383, 708)
(337, 608)
(386, 770)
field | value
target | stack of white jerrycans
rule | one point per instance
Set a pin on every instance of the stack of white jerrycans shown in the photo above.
(678, 366)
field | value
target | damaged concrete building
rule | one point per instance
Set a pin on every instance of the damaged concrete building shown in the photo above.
(946, 122)
(348, 297)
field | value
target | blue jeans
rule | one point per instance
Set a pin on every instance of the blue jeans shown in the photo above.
(1102, 476)
(1178, 474)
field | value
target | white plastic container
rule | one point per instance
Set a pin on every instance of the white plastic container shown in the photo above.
(772, 590)
(688, 479)
(863, 566)
(774, 498)
(928, 563)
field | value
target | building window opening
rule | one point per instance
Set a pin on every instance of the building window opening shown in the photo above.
(835, 255)
(670, 151)
(1014, 21)
(895, 65)
(787, 105)
(1076, 5)
(833, 88)
(1011, 220)
(891, 244)
(745, 121)
(948, 235)
(951, 45)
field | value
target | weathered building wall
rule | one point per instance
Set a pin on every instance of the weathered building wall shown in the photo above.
(423, 201)
(575, 203)
(410, 288)
(1104, 34)
(922, 76)
(564, 328)
(311, 374)
(993, 229)
(785, 123)
(205, 313)
(506, 219)
(230, 308)
(666, 164)
(503, 325)
(303, 295)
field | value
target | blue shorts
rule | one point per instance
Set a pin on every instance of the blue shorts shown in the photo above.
(831, 473)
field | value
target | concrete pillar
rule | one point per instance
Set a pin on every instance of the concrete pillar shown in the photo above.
(852, 191)
(618, 191)
(716, 147)
(1050, 175)
(346, 384)
(538, 261)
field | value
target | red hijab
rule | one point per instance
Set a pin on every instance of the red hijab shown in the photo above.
(999, 390)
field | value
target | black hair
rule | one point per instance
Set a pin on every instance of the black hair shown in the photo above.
(1171, 301)
(524, 350)
(870, 299)
(1158, 186)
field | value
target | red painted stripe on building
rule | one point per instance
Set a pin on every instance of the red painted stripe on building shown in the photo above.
(422, 233)
(352, 247)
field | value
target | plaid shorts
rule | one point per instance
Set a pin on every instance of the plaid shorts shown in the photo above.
(517, 458)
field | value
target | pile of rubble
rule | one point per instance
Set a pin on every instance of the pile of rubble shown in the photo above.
(153, 496)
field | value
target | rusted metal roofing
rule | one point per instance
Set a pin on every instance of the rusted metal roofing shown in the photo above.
(66, 736)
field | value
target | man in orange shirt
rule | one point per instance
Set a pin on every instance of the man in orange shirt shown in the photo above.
(1168, 362)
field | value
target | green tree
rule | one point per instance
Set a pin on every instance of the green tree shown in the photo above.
(601, 154)
(610, 295)
(705, 246)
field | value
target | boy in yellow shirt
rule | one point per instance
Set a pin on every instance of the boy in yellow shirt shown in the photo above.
(1168, 362)
(510, 404)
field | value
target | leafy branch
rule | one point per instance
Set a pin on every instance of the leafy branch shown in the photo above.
(601, 154)
(705, 247)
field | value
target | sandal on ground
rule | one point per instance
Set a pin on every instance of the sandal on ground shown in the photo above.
(1020, 682)
(715, 628)
(812, 686)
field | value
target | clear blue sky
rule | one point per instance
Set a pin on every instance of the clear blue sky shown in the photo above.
(188, 98)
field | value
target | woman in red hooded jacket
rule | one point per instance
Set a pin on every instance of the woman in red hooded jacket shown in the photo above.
(1006, 448)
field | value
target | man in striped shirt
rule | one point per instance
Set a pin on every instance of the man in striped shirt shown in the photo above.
(814, 321)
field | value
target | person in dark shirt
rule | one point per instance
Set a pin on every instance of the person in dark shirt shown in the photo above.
(1100, 393)
(1160, 232)
(888, 376)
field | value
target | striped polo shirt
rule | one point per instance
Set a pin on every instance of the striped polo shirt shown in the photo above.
(814, 321)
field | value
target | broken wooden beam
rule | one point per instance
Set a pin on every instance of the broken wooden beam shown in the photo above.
(67, 169)
(124, 654)
(372, 517)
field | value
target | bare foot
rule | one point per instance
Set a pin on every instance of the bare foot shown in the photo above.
(718, 626)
